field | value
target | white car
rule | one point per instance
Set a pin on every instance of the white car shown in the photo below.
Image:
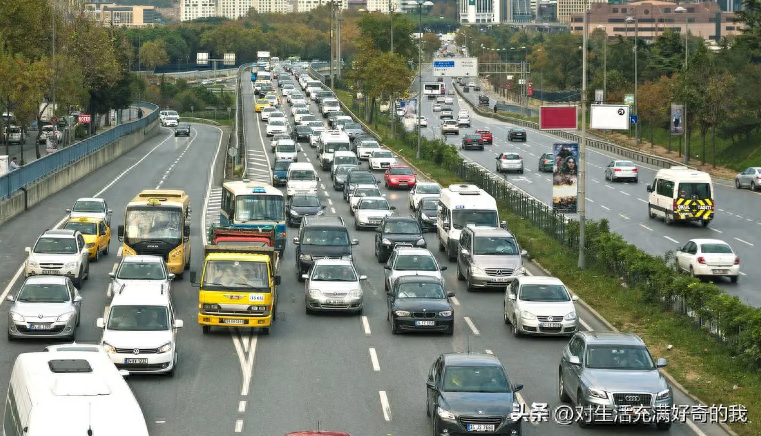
(141, 272)
(315, 135)
(91, 208)
(277, 116)
(449, 100)
(621, 170)
(463, 121)
(707, 258)
(275, 127)
(440, 99)
(366, 149)
(277, 138)
(463, 113)
(436, 107)
(361, 191)
(59, 252)
(411, 261)
(381, 160)
(300, 112)
(172, 115)
(297, 106)
(272, 100)
(508, 161)
(422, 190)
(450, 126)
(540, 305)
(471, 84)
(287, 150)
(288, 89)
(297, 98)
(304, 119)
(370, 212)
(422, 121)
(267, 111)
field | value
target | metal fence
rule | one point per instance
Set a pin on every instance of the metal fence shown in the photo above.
(30, 173)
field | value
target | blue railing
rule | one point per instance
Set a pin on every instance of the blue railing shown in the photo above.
(36, 170)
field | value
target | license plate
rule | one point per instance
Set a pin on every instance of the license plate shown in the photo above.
(333, 302)
(403, 183)
(137, 361)
(234, 321)
(425, 323)
(39, 326)
(550, 325)
(720, 271)
(500, 279)
(50, 271)
(480, 427)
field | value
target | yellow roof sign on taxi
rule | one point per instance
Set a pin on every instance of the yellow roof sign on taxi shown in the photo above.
(154, 202)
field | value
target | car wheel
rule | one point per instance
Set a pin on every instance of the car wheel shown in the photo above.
(441, 246)
(449, 331)
(737, 183)
(460, 276)
(356, 226)
(451, 256)
(584, 421)
(394, 328)
(516, 332)
(266, 330)
(504, 313)
(692, 272)
(97, 255)
(427, 408)
(650, 212)
(307, 309)
(108, 248)
(469, 283)
(78, 280)
(668, 219)
(734, 279)
(205, 329)
(562, 395)
(752, 186)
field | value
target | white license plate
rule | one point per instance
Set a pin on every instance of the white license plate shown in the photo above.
(50, 271)
(499, 279)
(480, 427)
(551, 325)
(138, 361)
(333, 302)
(425, 323)
(233, 321)
(720, 271)
(39, 326)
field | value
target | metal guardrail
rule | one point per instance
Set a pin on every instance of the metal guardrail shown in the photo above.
(46, 165)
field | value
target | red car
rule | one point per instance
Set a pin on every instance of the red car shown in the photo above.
(399, 176)
(485, 135)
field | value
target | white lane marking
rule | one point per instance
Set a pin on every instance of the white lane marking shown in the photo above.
(246, 359)
(322, 186)
(241, 406)
(645, 227)
(643, 201)
(585, 325)
(625, 193)
(490, 352)
(208, 190)
(472, 326)
(119, 251)
(332, 210)
(595, 180)
(743, 274)
(605, 207)
(695, 428)
(171, 167)
(748, 219)
(238, 426)
(385, 406)
(526, 406)
(8, 288)
(365, 325)
(714, 230)
(160, 421)
(623, 216)
(455, 301)
(308, 160)
(721, 210)
(672, 239)
(590, 200)
(330, 202)
(374, 360)
(744, 242)
(609, 187)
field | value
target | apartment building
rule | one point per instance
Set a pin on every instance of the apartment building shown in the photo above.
(110, 14)
(566, 8)
(383, 5)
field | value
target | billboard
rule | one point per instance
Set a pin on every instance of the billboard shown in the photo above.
(202, 58)
(558, 118)
(565, 189)
(609, 117)
(677, 119)
(456, 67)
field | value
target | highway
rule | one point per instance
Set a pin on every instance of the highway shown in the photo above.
(624, 204)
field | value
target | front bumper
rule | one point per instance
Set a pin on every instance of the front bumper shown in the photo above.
(42, 329)
(486, 281)
(402, 184)
(605, 410)
(234, 321)
(182, 133)
(338, 185)
(154, 363)
(535, 327)
(39, 271)
(507, 427)
(342, 304)
(410, 324)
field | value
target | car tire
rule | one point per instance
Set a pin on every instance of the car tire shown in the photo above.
(108, 248)
(460, 276)
(504, 314)
(753, 186)
(307, 309)
(583, 422)
(441, 246)
(562, 395)
(356, 226)
(266, 330)
(650, 212)
(668, 219)
(427, 408)
(449, 331)
(734, 279)
(737, 183)
(205, 329)
(516, 332)
(692, 273)
(394, 328)
(97, 255)
(468, 283)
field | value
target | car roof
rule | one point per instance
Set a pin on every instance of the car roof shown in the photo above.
(539, 280)
(142, 297)
(46, 280)
(411, 251)
(611, 338)
(708, 241)
(333, 262)
(90, 199)
(60, 232)
(85, 219)
(489, 231)
(142, 258)
(400, 218)
(417, 279)
(470, 359)
(365, 186)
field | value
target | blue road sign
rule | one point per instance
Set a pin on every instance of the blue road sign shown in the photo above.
(443, 64)
(633, 119)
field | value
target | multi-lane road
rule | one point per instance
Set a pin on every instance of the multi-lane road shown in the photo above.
(737, 219)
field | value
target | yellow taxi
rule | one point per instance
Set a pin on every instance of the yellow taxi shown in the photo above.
(261, 104)
(96, 233)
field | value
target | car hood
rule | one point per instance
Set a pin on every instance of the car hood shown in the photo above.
(477, 403)
(284, 155)
(325, 250)
(625, 381)
(370, 213)
(49, 311)
(497, 261)
(422, 304)
(402, 237)
(54, 258)
(383, 159)
(334, 289)
(341, 178)
(137, 339)
(306, 210)
(302, 184)
(401, 177)
(99, 215)
(543, 308)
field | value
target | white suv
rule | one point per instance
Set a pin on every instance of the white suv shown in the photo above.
(169, 118)
(140, 332)
(59, 252)
(143, 272)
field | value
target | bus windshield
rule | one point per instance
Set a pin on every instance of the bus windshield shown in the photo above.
(463, 217)
(151, 223)
(259, 208)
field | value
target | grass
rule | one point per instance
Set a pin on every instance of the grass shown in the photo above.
(220, 117)
(697, 360)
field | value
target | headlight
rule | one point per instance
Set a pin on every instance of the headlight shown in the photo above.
(386, 241)
(165, 348)
(527, 315)
(70, 265)
(426, 217)
(32, 264)
(570, 316)
(294, 213)
(90, 245)
(597, 393)
(445, 313)
(315, 293)
(108, 348)
(16, 317)
(65, 317)
(393, 180)
(355, 293)
(420, 242)
(444, 414)
(519, 271)
(321, 212)
(402, 313)
(305, 257)
(477, 270)
(663, 395)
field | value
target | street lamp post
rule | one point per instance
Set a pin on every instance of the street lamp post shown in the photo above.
(524, 88)
(582, 199)
(604, 64)
(681, 10)
(636, 35)
(420, 5)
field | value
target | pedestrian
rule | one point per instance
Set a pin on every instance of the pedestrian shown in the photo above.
(495, 108)
(139, 112)
(14, 164)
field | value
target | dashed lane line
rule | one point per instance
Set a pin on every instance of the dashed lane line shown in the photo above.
(366, 325)
(590, 200)
(623, 216)
(119, 251)
(455, 301)
(472, 326)
(715, 230)
(641, 200)
(742, 273)
(374, 360)
(604, 207)
(671, 239)
(241, 406)
(332, 210)
(645, 227)
(385, 406)
(239, 426)
(625, 193)
(744, 242)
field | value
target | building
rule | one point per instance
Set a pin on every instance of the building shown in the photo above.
(566, 8)
(479, 11)
(547, 11)
(272, 6)
(195, 9)
(308, 5)
(383, 5)
(653, 17)
(520, 11)
(233, 8)
(111, 14)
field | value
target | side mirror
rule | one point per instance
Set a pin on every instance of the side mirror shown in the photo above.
(511, 297)
(109, 211)
(524, 253)
(517, 387)
(660, 363)
(100, 323)
(171, 276)
(574, 298)
(574, 360)
(497, 158)
(28, 249)
(178, 323)
(443, 268)
(120, 231)
(68, 210)
(503, 224)
(649, 188)
(464, 252)
(193, 276)
(10, 298)
(124, 373)
(277, 280)
(295, 241)
(112, 275)
(305, 276)
(387, 267)
(450, 294)
(77, 298)
(318, 178)
(362, 277)
(355, 242)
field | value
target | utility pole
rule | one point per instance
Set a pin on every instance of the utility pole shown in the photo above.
(636, 73)
(338, 43)
(332, 12)
(582, 200)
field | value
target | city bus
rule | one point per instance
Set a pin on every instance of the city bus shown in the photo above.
(157, 222)
(247, 204)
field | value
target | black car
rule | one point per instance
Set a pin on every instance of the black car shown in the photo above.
(477, 87)
(418, 302)
(320, 237)
(472, 142)
(301, 205)
(397, 230)
(341, 172)
(483, 100)
(546, 162)
(182, 130)
(332, 114)
(342, 160)
(517, 134)
(301, 133)
(426, 213)
(471, 393)
(358, 178)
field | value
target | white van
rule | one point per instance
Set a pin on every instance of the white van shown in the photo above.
(169, 118)
(681, 194)
(460, 206)
(329, 105)
(329, 142)
(68, 393)
(302, 179)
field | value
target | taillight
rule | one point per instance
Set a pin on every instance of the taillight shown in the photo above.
(737, 260)
(702, 260)
(617, 170)
(634, 170)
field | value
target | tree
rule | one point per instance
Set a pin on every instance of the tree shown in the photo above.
(25, 27)
(153, 54)
(431, 43)
(378, 28)
(719, 87)
(653, 103)
(750, 16)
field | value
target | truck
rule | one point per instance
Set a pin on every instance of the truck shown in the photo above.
(239, 280)
(434, 89)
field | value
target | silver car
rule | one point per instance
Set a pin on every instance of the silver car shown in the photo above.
(540, 305)
(489, 257)
(621, 170)
(361, 191)
(411, 261)
(333, 285)
(91, 208)
(370, 211)
(509, 162)
(44, 307)
(613, 374)
(140, 272)
(750, 178)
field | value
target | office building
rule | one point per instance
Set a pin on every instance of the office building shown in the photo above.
(479, 11)
(195, 9)
(308, 5)
(383, 5)
(566, 8)
(110, 14)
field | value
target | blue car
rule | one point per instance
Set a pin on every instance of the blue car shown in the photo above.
(280, 172)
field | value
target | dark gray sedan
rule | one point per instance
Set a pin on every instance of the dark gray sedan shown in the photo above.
(182, 130)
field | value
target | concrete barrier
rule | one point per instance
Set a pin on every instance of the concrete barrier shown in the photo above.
(36, 192)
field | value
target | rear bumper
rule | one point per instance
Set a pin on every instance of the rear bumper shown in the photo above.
(235, 321)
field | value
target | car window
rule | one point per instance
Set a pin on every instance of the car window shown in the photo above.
(420, 290)
(286, 148)
(374, 205)
(411, 262)
(495, 245)
(83, 228)
(400, 171)
(138, 318)
(141, 271)
(698, 190)
(305, 201)
(43, 293)
(715, 249)
(475, 379)
(619, 358)
(624, 163)
(325, 237)
(88, 206)
(511, 156)
(402, 227)
(301, 174)
(55, 246)
(334, 273)
(544, 293)
(428, 189)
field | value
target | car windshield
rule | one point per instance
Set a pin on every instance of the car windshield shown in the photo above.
(495, 246)
(617, 357)
(428, 189)
(511, 156)
(302, 111)
(352, 126)
(325, 237)
(548, 157)
(276, 122)
(696, 190)
(282, 166)
(259, 207)
(405, 227)
(345, 160)
(366, 192)
(715, 249)
(370, 145)
(83, 228)
(88, 206)
(382, 155)
(400, 171)
(463, 217)
(334, 273)
(482, 379)
(374, 205)
(473, 137)
(429, 204)
(420, 290)
(286, 148)
(303, 129)
(316, 124)
(345, 169)
(141, 271)
(302, 175)
(415, 262)
(624, 163)
(55, 246)
(269, 109)
(305, 201)
(43, 293)
(360, 178)
(138, 318)
(544, 293)
(220, 275)
(153, 223)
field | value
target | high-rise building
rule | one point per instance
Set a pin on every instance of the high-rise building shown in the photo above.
(566, 8)
(195, 9)
(479, 11)
(233, 8)
(110, 14)
(308, 5)
(276, 6)
(382, 5)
